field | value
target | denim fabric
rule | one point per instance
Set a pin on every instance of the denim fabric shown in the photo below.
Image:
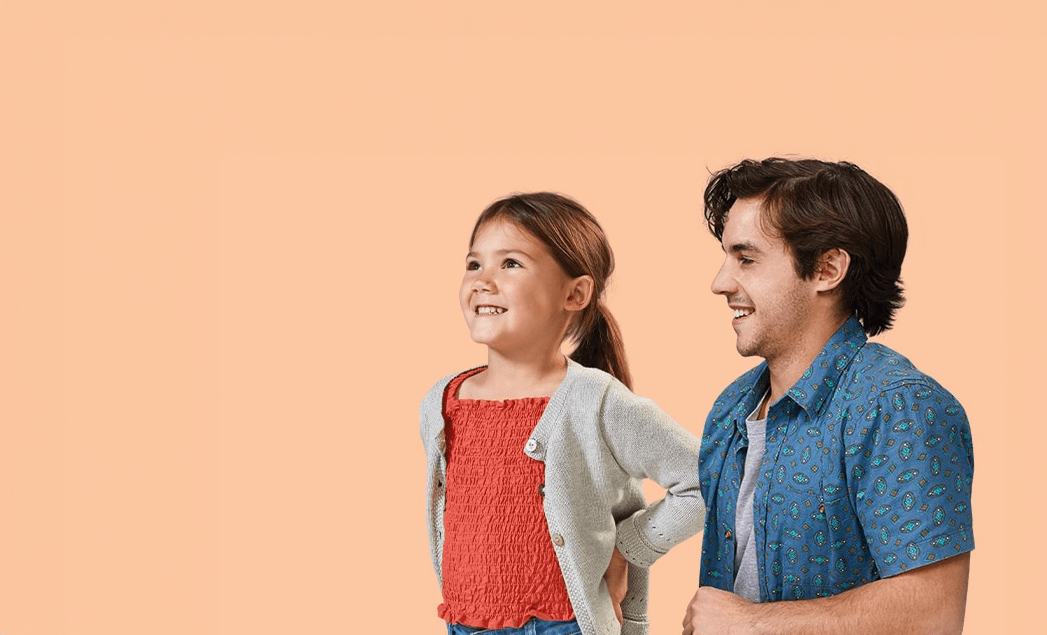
(534, 626)
(867, 473)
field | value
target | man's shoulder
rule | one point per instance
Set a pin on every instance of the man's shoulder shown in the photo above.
(875, 357)
(884, 390)
(887, 371)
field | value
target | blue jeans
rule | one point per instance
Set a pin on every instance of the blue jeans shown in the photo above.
(534, 626)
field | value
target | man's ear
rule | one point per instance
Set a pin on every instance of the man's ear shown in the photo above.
(580, 293)
(832, 269)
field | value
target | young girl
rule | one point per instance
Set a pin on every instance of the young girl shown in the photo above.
(537, 520)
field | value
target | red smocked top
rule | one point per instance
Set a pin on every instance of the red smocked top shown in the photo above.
(499, 568)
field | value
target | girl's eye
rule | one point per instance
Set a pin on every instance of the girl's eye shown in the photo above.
(509, 262)
(472, 265)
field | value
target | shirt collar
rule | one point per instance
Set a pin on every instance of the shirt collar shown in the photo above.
(751, 388)
(818, 382)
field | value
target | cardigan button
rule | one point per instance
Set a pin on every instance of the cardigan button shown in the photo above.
(558, 540)
(541, 489)
(531, 446)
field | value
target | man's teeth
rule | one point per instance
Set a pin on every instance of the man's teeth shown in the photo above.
(489, 310)
(742, 312)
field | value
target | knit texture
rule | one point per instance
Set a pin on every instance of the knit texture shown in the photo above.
(598, 441)
(499, 568)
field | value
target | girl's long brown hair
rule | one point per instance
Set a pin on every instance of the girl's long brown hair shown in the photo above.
(579, 245)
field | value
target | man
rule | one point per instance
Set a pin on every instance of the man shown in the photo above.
(837, 476)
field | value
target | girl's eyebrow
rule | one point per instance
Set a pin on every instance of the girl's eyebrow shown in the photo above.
(503, 252)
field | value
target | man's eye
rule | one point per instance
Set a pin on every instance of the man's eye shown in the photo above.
(745, 260)
(509, 262)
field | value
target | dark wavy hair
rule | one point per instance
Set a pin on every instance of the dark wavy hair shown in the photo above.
(815, 206)
(579, 245)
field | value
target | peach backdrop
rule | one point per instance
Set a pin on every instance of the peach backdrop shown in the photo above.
(231, 235)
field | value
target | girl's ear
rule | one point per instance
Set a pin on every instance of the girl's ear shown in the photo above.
(580, 292)
(832, 269)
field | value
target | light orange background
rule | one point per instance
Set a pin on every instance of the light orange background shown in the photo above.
(231, 237)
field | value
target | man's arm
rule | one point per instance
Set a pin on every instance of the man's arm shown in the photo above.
(930, 599)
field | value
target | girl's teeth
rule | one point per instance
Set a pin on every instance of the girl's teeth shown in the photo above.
(487, 310)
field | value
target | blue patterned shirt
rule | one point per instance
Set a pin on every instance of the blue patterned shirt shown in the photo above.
(867, 473)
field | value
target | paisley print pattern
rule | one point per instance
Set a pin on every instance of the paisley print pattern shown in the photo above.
(867, 473)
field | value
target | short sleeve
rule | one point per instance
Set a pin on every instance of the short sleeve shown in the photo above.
(910, 463)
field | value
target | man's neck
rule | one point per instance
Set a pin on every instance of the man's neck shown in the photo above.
(785, 370)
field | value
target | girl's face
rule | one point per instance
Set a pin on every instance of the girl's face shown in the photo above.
(514, 294)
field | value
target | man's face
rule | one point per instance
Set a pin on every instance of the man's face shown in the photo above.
(771, 303)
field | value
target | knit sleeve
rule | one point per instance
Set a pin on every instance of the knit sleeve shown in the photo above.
(647, 443)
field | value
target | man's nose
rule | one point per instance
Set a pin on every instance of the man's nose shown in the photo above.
(723, 282)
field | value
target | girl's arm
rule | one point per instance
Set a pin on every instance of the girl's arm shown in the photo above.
(647, 443)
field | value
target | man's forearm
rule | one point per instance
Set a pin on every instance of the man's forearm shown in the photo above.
(902, 604)
(928, 600)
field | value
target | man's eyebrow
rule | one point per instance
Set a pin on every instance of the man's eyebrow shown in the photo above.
(744, 246)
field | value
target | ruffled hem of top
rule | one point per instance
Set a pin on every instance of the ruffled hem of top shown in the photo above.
(451, 616)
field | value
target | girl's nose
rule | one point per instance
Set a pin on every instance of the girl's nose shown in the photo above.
(483, 282)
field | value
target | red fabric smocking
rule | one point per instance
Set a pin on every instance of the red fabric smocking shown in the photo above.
(499, 567)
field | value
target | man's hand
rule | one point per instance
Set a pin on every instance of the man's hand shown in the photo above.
(617, 578)
(717, 612)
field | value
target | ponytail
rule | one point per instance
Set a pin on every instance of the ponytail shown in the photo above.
(601, 346)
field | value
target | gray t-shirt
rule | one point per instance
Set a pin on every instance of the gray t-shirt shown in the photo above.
(746, 578)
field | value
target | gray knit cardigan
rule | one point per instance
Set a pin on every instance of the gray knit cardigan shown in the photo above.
(598, 440)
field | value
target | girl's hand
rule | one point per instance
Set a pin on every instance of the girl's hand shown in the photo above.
(617, 578)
